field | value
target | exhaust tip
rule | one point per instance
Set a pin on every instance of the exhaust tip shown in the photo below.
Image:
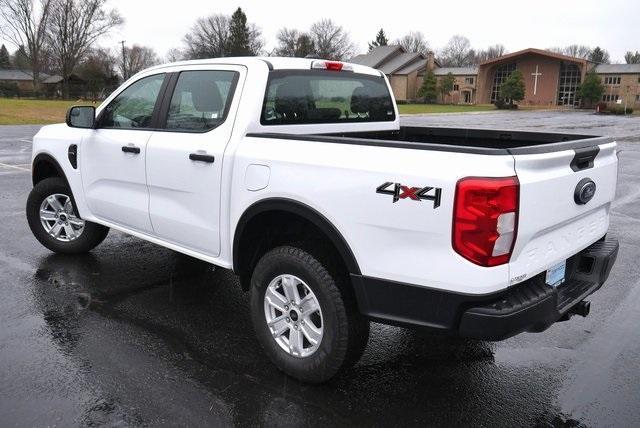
(582, 308)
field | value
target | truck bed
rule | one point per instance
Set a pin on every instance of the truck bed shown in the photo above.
(481, 141)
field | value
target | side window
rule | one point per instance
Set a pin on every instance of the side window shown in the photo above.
(201, 100)
(133, 107)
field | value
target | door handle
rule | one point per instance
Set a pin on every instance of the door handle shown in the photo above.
(131, 149)
(202, 158)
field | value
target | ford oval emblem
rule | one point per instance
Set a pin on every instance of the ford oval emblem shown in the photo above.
(585, 190)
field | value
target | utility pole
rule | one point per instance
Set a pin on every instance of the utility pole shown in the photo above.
(124, 62)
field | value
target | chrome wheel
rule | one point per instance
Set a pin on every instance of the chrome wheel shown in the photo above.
(58, 218)
(293, 315)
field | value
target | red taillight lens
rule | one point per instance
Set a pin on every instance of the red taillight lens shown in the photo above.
(333, 65)
(485, 219)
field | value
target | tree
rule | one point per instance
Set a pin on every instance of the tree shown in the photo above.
(5, 59)
(491, 52)
(576, 51)
(632, 58)
(512, 88)
(428, 89)
(599, 55)
(75, 25)
(208, 38)
(174, 55)
(331, 41)
(20, 59)
(25, 24)
(238, 43)
(592, 89)
(446, 85)
(380, 40)
(414, 42)
(457, 53)
(136, 59)
(97, 69)
(293, 43)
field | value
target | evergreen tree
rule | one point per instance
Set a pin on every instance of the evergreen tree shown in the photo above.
(512, 88)
(599, 55)
(446, 85)
(238, 43)
(591, 89)
(20, 59)
(428, 89)
(381, 40)
(5, 59)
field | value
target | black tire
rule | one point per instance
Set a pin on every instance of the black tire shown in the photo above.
(92, 234)
(345, 331)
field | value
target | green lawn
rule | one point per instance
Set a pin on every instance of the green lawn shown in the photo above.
(442, 108)
(25, 111)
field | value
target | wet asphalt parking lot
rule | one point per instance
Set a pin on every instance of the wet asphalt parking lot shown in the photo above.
(135, 334)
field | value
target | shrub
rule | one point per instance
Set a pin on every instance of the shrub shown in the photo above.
(503, 105)
(617, 109)
(9, 89)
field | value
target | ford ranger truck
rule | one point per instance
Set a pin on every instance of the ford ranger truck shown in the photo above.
(298, 175)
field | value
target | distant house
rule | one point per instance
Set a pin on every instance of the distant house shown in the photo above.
(50, 84)
(405, 70)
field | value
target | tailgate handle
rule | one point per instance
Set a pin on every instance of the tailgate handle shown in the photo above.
(584, 158)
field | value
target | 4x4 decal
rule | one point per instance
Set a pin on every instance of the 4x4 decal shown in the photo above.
(399, 191)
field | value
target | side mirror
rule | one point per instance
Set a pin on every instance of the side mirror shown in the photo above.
(81, 117)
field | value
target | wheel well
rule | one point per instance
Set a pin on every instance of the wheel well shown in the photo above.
(288, 225)
(45, 166)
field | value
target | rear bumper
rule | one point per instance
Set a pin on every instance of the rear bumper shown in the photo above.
(529, 306)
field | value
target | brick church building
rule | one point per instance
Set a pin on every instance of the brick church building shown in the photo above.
(551, 79)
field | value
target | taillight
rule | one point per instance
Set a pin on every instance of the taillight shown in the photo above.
(485, 219)
(331, 65)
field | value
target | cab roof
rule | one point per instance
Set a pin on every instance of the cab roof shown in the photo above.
(272, 63)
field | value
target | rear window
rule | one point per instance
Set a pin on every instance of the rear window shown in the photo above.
(312, 96)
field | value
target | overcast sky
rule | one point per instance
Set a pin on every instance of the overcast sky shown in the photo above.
(612, 24)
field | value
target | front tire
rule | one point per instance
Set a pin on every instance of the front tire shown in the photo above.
(307, 325)
(55, 222)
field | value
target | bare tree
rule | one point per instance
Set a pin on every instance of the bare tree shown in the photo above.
(331, 41)
(174, 55)
(294, 43)
(457, 53)
(75, 25)
(136, 59)
(208, 37)
(491, 52)
(25, 24)
(577, 51)
(414, 42)
(256, 42)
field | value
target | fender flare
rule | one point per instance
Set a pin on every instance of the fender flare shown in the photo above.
(45, 157)
(308, 213)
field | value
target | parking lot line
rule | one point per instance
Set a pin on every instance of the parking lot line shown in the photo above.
(6, 165)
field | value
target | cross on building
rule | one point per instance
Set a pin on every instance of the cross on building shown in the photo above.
(535, 82)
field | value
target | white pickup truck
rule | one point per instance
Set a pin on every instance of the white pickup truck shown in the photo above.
(297, 174)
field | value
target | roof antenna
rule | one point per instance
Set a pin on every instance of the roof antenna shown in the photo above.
(313, 56)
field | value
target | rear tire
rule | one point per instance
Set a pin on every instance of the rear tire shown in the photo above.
(54, 220)
(334, 336)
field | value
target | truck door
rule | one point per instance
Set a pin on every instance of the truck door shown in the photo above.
(113, 155)
(185, 158)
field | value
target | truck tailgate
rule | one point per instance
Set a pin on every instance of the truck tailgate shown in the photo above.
(553, 222)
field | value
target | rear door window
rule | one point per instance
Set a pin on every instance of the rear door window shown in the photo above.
(201, 100)
(312, 96)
